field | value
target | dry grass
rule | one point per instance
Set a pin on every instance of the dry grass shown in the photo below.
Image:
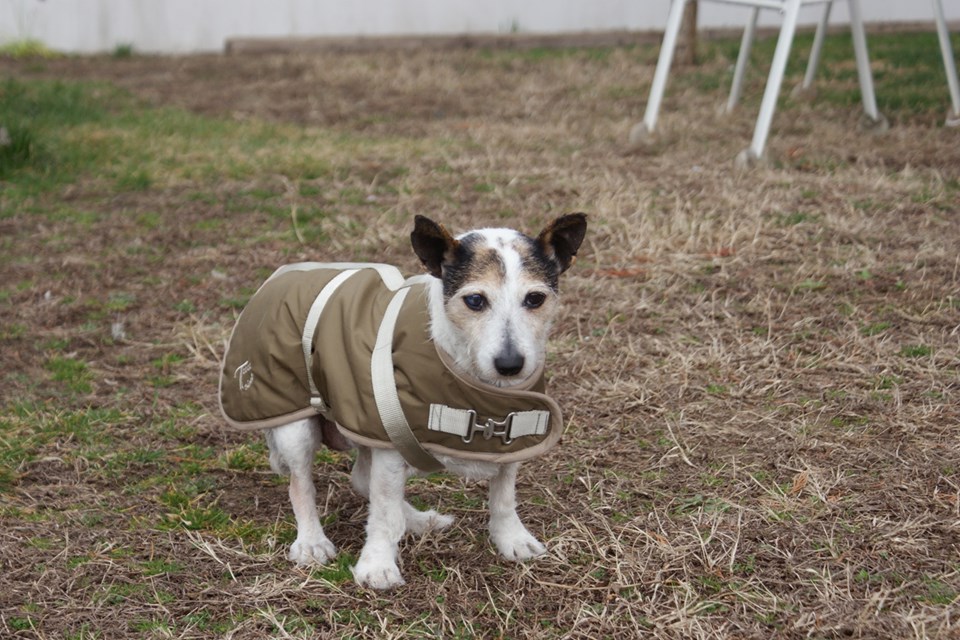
(759, 369)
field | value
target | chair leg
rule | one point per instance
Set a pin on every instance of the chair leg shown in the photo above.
(743, 57)
(663, 66)
(816, 49)
(867, 96)
(953, 118)
(769, 103)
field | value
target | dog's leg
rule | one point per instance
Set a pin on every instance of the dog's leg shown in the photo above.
(507, 532)
(292, 449)
(377, 566)
(417, 522)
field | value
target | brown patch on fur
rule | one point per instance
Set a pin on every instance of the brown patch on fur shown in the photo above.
(472, 261)
(487, 265)
(536, 263)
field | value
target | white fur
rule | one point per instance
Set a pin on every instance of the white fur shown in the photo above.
(380, 474)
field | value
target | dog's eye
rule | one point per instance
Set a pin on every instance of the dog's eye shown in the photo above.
(534, 300)
(475, 302)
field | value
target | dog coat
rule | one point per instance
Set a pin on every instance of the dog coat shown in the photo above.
(352, 342)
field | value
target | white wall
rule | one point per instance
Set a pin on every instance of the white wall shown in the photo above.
(181, 26)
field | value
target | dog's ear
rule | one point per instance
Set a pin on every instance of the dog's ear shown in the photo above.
(431, 242)
(561, 238)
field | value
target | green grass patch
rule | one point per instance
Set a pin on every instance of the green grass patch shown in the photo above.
(196, 517)
(809, 285)
(795, 218)
(27, 432)
(699, 502)
(159, 567)
(119, 301)
(27, 48)
(123, 51)
(237, 302)
(126, 461)
(435, 572)
(61, 131)
(939, 593)
(338, 571)
(75, 374)
(848, 422)
(875, 328)
(185, 307)
(204, 620)
(134, 180)
(16, 148)
(167, 361)
(915, 351)
(13, 331)
(243, 458)
(41, 116)
(21, 624)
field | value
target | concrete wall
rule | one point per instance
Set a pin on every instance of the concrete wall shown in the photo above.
(182, 26)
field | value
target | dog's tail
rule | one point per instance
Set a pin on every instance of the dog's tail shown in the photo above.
(277, 463)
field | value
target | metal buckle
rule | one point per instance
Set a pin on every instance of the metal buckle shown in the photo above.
(489, 429)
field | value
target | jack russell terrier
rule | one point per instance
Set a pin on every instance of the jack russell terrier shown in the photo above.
(438, 371)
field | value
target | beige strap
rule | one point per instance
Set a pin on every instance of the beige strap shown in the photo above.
(458, 422)
(390, 275)
(529, 423)
(385, 392)
(310, 327)
(463, 423)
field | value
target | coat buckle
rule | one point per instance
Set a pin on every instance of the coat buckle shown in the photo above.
(491, 428)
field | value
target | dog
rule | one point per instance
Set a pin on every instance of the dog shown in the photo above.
(485, 305)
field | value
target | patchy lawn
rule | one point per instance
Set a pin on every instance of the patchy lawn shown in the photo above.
(760, 370)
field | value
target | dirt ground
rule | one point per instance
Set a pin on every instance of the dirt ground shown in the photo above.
(759, 369)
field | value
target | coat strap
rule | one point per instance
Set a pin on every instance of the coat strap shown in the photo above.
(464, 423)
(310, 327)
(386, 396)
(390, 275)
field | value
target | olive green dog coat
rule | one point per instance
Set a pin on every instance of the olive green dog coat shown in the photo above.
(352, 342)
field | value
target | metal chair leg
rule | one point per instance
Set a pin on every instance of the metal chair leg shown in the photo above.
(867, 95)
(816, 49)
(953, 118)
(663, 69)
(769, 103)
(743, 57)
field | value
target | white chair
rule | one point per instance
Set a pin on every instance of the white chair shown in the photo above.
(946, 50)
(790, 10)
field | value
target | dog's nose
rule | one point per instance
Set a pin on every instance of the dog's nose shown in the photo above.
(509, 363)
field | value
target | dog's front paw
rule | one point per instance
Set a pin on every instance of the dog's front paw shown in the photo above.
(316, 551)
(377, 575)
(517, 544)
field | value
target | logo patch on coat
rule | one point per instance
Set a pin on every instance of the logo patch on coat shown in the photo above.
(244, 375)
